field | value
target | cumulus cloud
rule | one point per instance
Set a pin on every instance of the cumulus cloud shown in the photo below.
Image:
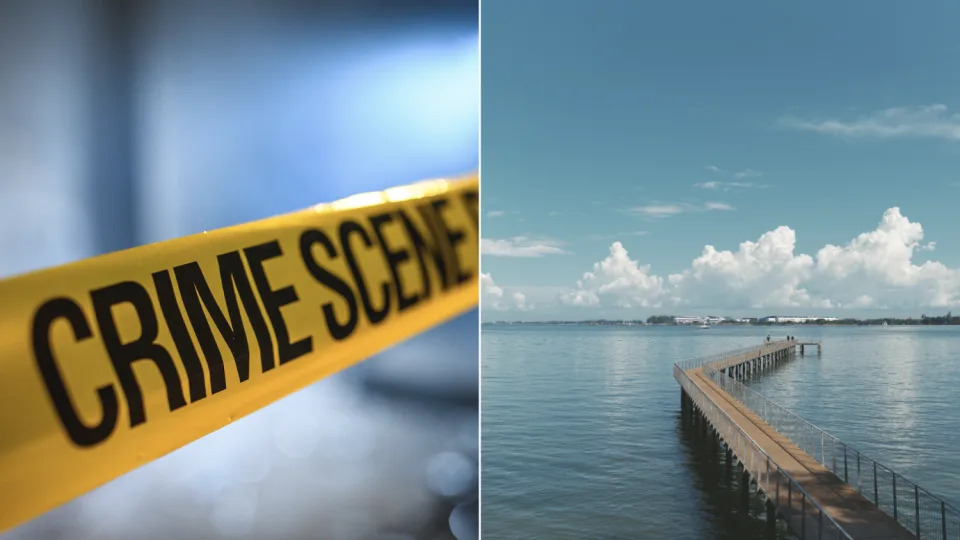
(879, 266)
(492, 296)
(933, 121)
(495, 213)
(619, 280)
(758, 274)
(520, 300)
(873, 270)
(520, 246)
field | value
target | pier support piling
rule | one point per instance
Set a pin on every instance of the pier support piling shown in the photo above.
(771, 519)
(745, 488)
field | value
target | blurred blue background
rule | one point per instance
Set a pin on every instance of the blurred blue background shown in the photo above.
(124, 123)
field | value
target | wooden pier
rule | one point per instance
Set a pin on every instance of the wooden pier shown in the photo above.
(813, 501)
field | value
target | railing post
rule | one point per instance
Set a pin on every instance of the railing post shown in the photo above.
(778, 496)
(876, 492)
(916, 500)
(943, 519)
(859, 474)
(833, 455)
(803, 517)
(895, 497)
(766, 478)
(845, 477)
(790, 500)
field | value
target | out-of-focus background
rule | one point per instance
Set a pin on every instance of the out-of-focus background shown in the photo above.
(124, 123)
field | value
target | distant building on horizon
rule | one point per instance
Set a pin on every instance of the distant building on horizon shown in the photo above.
(778, 319)
(699, 320)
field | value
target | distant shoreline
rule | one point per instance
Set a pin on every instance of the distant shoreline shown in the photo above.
(871, 322)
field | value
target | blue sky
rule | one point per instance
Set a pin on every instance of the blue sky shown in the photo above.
(669, 126)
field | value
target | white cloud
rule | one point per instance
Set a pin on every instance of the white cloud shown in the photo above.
(659, 211)
(748, 173)
(880, 264)
(758, 274)
(875, 269)
(492, 296)
(725, 186)
(520, 246)
(618, 280)
(933, 121)
(495, 213)
(718, 206)
(520, 300)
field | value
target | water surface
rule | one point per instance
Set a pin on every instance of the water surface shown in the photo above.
(582, 435)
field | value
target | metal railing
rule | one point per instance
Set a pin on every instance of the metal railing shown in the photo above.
(803, 515)
(916, 509)
(707, 360)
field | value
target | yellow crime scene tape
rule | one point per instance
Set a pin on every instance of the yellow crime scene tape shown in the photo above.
(109, 363)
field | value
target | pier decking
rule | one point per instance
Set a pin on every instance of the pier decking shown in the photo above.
(815, 501)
